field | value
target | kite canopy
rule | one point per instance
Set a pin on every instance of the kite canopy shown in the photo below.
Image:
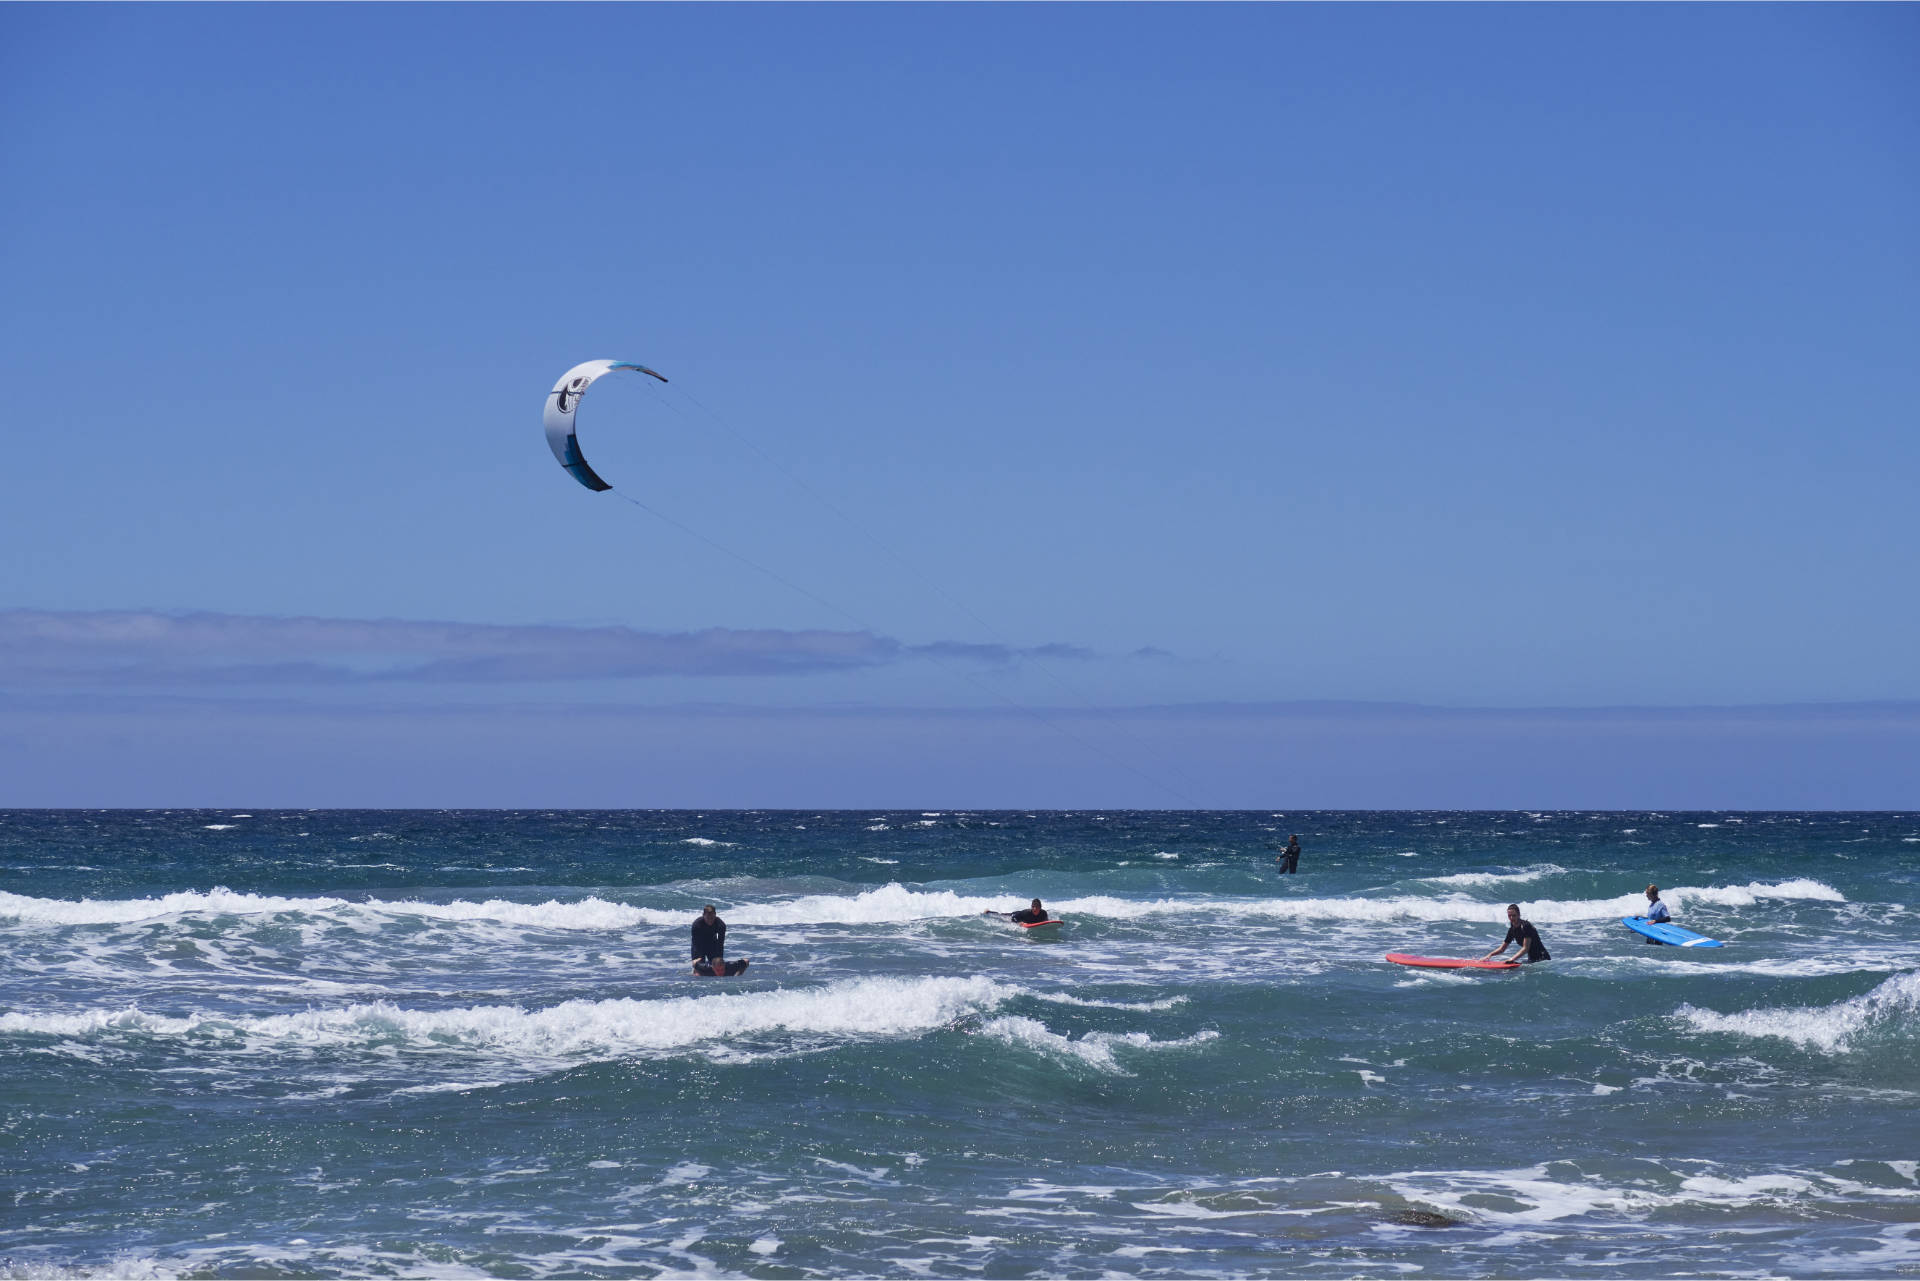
(563, 402)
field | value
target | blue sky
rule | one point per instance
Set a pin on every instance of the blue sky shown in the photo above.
(1098, 385)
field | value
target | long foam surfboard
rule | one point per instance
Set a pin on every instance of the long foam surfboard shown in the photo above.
(1660, 932)
(1039, 925)
(1449, 962)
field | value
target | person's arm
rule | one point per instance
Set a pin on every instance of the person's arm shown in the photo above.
(1504, 943)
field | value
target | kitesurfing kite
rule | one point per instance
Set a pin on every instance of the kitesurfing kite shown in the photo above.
(563, 402)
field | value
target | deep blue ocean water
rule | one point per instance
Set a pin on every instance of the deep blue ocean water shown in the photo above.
(466, 1044)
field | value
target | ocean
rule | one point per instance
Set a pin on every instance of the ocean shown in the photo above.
(466, 1043)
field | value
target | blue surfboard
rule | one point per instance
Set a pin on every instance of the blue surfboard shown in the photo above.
(1660, 932)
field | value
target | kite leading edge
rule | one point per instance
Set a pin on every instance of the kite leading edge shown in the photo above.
(563, 402)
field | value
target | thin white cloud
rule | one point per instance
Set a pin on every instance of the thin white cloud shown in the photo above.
(120, 647)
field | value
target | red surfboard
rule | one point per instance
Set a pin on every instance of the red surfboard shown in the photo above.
(1449, 962)
(1038, 925)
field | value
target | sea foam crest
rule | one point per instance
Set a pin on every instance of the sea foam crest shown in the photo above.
(1496, 878)
(893, 903)
(1095, 1049)
(87, 911)
(855, 1008)
(589, 913)
(1833, 1028)
(1457, 907)
(1539, 1195)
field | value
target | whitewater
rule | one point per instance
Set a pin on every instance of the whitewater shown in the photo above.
(345, 1043)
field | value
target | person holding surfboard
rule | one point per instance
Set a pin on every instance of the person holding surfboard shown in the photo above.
(1289, 859)
(1521, 931)
(1656, 914)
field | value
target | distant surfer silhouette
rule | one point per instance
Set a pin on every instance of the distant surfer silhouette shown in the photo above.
(1030, 915)
(1289, 859)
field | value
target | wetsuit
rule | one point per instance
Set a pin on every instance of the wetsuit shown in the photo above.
(1027, 916)
(1532, 949)
(1290, 858)
(709, 941)
(1658, 914)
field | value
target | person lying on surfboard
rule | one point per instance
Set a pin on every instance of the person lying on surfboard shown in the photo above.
(1521, 932)
(1031, 915)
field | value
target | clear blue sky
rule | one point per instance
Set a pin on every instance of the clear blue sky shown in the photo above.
(1497, 357)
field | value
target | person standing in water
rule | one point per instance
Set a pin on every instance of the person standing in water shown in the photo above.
(1289, 859)
(1656, 913)
(1522, 932)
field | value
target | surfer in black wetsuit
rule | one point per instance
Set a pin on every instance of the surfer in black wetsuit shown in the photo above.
(1522, 932)
(1031, 915)
(1289, 859)
(709, 942)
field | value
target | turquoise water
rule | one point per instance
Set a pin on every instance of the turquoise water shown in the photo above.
(465, 1043)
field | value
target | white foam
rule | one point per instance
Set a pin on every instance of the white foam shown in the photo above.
(702, 840)
(1061, 998)
(1897, 1253)
(685, 1172)
(1755, 1187)
(86, 911)
(219, 827)
(1095, 1049)
(1542, 1197)
(1496, 878)
(588, 913)
(893, 903)
(1831, 1028)
(450, 1087)
(851, 1009)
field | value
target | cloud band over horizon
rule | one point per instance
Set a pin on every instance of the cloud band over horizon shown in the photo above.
(150, 708)
(149, 648)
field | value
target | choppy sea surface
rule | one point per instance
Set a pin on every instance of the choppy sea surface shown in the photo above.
(466, 1044)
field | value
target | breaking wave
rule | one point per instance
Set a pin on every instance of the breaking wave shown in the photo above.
(1833, 1028)
(895, 904)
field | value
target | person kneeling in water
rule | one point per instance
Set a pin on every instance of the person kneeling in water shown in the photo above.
(1521, 932)
(1026, 916)
(710, 946)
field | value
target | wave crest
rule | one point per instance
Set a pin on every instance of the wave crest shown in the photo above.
(1833, 1028)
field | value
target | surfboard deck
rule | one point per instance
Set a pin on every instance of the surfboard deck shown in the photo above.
(732, 969)
(1664, 933)
(1038, 925)
(1449, 962)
